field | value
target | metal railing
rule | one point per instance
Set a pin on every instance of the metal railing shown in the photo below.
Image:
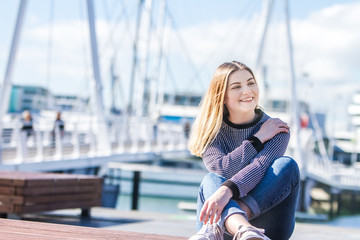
(83, 138)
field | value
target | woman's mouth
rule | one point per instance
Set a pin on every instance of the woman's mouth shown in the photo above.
(247, 99)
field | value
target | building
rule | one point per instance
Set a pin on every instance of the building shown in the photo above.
(70, 103)
(34, 98)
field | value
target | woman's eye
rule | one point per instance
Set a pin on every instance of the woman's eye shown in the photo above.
(236, 87)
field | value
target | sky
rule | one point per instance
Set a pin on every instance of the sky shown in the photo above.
(54, 47)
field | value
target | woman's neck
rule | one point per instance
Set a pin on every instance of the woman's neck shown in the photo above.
(243, 118)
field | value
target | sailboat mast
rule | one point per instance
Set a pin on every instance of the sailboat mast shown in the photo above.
(6, 89)
(266, 12)
(130, 109)
(102, 128)
(5, 93)
(294, 101)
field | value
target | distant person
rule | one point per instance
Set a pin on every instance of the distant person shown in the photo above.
(59, 125)
(187, 129)
(27, 123)
(251, 191)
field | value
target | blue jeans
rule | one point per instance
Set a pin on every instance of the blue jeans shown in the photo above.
(272, 202)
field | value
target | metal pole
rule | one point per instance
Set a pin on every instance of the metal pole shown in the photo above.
(6, 89)
(130, 108)
(102, 128)
(294, 101)
(135, 193)
(267, 10)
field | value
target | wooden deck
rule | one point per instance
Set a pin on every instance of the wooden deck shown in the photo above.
(151, 225)
(27, 230)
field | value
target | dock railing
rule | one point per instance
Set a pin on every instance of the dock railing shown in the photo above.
(81, 139)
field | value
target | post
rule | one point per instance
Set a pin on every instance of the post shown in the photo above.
(135, 193)
(58, 144)
(39, 145)
(75, 141)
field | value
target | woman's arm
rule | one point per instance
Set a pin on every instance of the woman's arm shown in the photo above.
(213, 207)
(234, 164)
(229, 164)
(247, 178)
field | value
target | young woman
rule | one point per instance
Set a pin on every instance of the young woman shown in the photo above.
(251, 190)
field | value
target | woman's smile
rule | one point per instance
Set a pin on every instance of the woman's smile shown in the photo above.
(250, 99)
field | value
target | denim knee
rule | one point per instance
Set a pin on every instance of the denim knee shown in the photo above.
(288, 165)
(210, 183)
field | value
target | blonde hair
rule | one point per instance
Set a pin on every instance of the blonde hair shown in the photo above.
(209, 119)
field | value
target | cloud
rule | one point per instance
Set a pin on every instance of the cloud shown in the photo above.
(325, 48)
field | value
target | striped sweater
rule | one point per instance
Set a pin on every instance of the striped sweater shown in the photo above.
(241, 158)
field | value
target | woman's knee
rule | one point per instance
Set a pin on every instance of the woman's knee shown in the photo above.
(212, 179)
(211, 182)
(287, 166)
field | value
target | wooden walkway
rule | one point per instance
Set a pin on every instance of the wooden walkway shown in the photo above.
(149, 225)
(26, 230)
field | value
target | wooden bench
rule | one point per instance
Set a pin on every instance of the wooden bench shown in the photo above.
(28, 192)
(26, 230)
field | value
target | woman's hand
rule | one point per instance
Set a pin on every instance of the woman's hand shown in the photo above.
(214, 206)
(270, 128)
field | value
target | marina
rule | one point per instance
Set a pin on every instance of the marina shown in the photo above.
(138, 147)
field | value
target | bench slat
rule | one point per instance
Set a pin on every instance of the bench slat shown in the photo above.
(40, 179)
(58, 190)
(58, 205)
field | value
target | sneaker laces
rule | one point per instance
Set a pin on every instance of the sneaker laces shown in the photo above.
(243, 229)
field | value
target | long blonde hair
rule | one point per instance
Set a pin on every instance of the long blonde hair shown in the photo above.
(208, 122)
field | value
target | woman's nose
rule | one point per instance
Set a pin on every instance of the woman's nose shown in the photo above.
(245, 90)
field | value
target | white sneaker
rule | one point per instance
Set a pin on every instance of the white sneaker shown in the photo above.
(209, 232)
(250, 233)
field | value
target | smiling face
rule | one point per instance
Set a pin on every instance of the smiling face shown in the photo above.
(241, 96)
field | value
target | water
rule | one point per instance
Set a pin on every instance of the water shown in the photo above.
(154, 204)
(345, 221)
(170, 205)
(160, 193)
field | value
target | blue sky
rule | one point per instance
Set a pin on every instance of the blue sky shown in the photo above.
(325, 38)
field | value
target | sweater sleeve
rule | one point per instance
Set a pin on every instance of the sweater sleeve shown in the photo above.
(227, 165)
(248, 177)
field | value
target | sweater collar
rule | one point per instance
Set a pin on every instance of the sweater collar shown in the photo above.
(259, 114)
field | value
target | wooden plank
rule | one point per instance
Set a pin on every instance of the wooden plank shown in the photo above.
(62, 182)
(59, 198)
(18, 229)
(7, 190)
(7, 208)
(58, 190)
(54, 206)
(11, 178)
(11, 199)
(11, 182)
